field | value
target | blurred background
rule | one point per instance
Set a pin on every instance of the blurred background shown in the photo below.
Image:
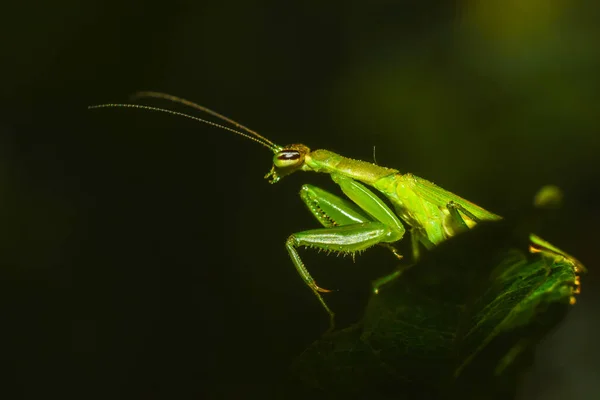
(143, 255)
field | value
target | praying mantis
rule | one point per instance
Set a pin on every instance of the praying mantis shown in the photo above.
(430, 213)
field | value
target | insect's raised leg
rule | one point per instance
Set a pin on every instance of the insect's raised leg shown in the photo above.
(349, 227)
(346, 239)
(331, 210)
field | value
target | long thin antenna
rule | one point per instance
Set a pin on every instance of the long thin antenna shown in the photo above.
(175, 99)
(271, 146)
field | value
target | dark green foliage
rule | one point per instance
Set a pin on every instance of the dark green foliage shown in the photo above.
(459, 324)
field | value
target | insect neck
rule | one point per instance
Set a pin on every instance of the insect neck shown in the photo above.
(332, 163)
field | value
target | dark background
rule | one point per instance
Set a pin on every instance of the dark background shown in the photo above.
(142, 255)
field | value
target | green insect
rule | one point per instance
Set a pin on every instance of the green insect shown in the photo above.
(352, 225)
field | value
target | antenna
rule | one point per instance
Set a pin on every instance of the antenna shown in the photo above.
(175, 99)
(268, 144)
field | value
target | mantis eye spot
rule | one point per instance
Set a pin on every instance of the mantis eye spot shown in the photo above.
(288, 155)
(287, 158)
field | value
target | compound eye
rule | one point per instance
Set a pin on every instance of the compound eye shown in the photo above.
(287, 158)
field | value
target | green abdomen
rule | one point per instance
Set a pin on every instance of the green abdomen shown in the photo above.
(423, 205)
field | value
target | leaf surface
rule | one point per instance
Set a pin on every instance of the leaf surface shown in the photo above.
(461, 322)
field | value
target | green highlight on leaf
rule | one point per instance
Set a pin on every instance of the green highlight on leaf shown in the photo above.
(462, 322)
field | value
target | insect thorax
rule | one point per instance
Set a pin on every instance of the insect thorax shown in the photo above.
(332, 163)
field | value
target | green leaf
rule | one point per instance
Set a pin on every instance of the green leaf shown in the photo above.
(461, 322)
